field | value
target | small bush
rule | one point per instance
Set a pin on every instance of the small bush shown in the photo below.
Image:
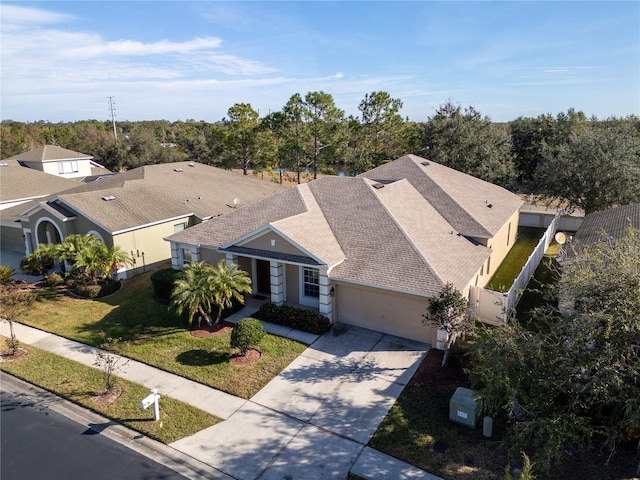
(162, 281)
(54, 280)
(31, 265)
(89, 291)
(247, 334)
(6, 273)
(293, 317)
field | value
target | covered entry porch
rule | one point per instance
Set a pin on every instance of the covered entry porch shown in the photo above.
(295, 281)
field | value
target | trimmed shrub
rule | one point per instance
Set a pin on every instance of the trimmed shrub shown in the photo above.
(162, 281)
(89, 291)
(54, 280)
(294, 317)
(247, 334)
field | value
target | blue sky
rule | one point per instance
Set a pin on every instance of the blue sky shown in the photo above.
(193, 60)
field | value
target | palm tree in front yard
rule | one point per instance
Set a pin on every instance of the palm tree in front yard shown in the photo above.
(192, 291)
(229, 283)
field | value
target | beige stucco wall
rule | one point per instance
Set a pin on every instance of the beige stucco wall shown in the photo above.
(148, 240)
(500, 245)
(385, 311)
(211, 256)
(263, 242)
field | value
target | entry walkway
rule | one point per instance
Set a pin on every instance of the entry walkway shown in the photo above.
(313, 421)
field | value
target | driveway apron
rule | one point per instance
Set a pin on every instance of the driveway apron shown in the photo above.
(314, 419)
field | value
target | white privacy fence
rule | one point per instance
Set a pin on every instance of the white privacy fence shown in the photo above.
(494, 307)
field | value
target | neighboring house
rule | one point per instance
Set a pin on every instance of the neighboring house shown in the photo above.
(596, 227)
(21, 186)
(368, 250)
(59, 161)
(610, 223)
(137, 208)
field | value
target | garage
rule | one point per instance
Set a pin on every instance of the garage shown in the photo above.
(377, 309)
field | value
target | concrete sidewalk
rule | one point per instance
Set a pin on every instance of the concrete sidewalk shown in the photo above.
(313, 420)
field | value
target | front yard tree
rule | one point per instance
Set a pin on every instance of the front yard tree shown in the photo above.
(229, 283)
(575, 379)
(13, 304)
(247, 334)
(448, 312)
(192, 292)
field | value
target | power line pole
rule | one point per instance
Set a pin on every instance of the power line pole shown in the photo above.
(112, 112)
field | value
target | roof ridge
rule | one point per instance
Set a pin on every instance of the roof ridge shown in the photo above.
(414, 159)
(405, 234)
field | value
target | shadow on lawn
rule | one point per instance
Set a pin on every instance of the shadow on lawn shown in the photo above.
(199, 358)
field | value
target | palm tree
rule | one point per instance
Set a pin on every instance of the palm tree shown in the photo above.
(192, 292)
(229, 283)
(114, 258)
(47, 253)
(72, 246)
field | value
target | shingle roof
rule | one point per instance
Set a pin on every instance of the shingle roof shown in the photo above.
(19, 183)
(610, 223)
(155, 193)
(475, 208)
(49, 153)
(392, 235)
(237, 223)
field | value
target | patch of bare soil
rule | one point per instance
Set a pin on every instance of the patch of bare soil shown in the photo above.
(206, 331)
(10, 357)
(107, 398)
(250, 358)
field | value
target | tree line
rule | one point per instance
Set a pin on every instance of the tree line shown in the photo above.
(588, 163)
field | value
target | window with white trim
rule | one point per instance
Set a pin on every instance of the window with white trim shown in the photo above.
(186, 256)
(179, 227)
(311, 282)
(66, 167)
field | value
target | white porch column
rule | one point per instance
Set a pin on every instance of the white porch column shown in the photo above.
(277, 282)
(325, 306)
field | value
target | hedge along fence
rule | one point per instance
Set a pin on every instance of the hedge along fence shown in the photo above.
(294, 317)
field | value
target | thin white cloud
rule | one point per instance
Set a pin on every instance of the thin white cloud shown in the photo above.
(14, 15)
(99, 48)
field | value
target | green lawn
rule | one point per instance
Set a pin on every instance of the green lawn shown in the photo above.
(511, 266)
(79, 383)
(419, 419)
(157, 336)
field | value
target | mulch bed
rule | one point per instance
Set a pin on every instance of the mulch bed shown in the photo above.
(206, 331)
(430, 371)
(107, 398)
(251, 357)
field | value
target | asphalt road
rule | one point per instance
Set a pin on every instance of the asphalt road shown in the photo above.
(39, 443)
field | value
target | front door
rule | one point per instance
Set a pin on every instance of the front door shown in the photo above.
(263, 270)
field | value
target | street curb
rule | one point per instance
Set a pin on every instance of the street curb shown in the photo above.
(157, 451)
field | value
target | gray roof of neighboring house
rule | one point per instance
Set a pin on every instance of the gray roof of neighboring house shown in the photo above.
(613, 222)
(472, 206)
(156, 193)
(393, 236)
(49, 153)
(20, 183)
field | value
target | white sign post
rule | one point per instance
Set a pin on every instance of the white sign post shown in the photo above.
(152, 399)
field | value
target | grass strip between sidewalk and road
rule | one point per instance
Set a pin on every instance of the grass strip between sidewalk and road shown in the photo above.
(79, 384)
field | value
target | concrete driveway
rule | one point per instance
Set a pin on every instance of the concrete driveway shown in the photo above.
(314, 419)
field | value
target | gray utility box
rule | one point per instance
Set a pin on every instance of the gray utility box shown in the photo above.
(463, 408)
